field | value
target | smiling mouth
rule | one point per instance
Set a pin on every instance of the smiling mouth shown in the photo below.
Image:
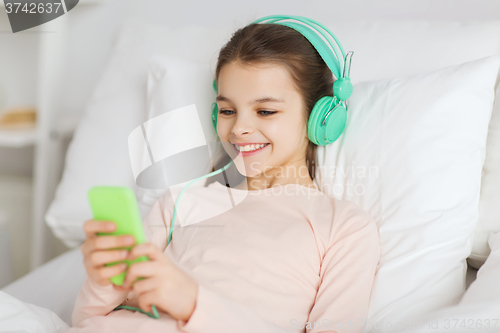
(250, 148)
(249, 152)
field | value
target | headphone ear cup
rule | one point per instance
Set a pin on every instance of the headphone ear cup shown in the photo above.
(325, 134)
(215, 111)
(335, 123)
(215, 108)
(214, 85)
(316, 131)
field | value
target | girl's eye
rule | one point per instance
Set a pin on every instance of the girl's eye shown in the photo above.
(264, 112)
(223, 112)
(267, 113)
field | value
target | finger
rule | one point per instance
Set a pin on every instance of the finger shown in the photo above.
(84, 248)
(91, 227)
(147, 249)
(143, 269)
(100, 258)
(104, 273)
(146, 285)
(121, 288)
(146, 300)
(112, 242)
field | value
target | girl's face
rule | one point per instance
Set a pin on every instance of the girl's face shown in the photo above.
(258, 105)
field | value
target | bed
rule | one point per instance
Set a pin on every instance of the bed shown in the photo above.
(446, 207)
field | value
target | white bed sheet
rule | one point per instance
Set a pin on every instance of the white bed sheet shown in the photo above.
(54, 285)
(19, 317)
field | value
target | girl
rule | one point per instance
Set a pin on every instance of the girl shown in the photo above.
(285, 258)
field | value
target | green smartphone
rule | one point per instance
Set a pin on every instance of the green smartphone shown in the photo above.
(118, 204)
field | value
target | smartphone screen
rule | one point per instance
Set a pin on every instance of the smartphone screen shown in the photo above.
(118, 204)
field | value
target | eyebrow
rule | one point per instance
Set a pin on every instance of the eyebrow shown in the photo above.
(260, 100)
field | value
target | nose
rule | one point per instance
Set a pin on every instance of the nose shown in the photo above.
(242, 125)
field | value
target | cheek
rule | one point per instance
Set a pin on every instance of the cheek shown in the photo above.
(288, 135)
(223, 131)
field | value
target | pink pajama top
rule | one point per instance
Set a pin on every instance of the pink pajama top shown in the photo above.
(285, 259)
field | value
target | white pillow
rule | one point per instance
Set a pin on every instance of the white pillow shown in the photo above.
(98, 152)
(404, 48)
(412, 155)
(489, 214)
(175, 83)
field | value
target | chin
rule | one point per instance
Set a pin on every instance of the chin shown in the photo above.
(248, 170)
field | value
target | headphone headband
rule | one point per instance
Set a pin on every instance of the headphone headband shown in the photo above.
(322, 39)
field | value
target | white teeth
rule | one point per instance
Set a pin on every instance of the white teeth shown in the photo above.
(250, 147)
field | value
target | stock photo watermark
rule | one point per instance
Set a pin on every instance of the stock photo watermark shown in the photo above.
(24, 14)
(350, 177)
(171, 151)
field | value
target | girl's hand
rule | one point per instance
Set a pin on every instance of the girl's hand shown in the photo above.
(100, 250)
(165, 285)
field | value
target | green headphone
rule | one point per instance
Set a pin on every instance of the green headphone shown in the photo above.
(325, 123)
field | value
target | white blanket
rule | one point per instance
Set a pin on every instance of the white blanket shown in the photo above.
(17, 316)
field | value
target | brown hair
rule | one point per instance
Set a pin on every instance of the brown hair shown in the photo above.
(274, 43)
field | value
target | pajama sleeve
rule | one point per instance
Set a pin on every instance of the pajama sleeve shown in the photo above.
(96, 300)
(347, 273)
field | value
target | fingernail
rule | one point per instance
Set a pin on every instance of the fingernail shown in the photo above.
(125, 254)
(129, 239)
(123, 266)
(110, 226)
